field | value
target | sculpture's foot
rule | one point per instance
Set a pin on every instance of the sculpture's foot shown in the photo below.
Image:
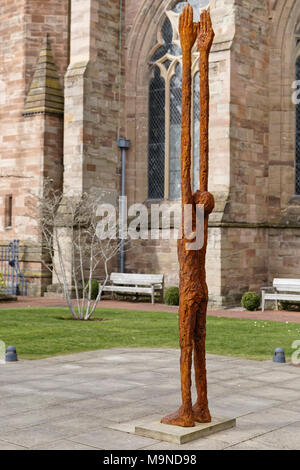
(179, 418)
(201, 414)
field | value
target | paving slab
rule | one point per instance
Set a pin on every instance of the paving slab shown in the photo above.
(278, 375)
(293, 384)
(69, 426)
(13, 405)
(120, 414)
(95, 399)
(109, 439)
(240, 404)
(285, 438)
(7, 446)
(146, 393)
(63, 444)
(241, 383)
(30, 437)
(271, 418)
(167, 402)
(275, 392)
(129, 426)
(91, 405)
(255, 444)
(34, 417)
(291, 406)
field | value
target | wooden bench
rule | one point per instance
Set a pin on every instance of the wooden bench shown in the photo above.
(136, 284)
(283, 289)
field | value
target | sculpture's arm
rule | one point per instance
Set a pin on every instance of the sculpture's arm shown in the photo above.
(204, 43)
(188, 31)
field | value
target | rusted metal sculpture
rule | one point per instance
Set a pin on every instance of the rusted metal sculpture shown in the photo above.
(193, 287)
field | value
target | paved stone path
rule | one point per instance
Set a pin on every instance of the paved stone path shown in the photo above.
(93, 401)
(24, 302)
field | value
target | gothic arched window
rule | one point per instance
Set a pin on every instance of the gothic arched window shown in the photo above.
(297, 156)
(165, 109)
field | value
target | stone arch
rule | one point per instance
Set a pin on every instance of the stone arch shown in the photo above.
(143, 19)
(139, 43)
(283, 54)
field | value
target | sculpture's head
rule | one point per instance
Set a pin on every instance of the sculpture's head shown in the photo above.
(206, 199)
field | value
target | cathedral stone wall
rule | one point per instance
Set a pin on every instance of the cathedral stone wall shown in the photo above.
(144, 19)
(252, 150)
(254, 230)
(31, 146)
(94, 85)
(284, 207)
(244, 240)
(93, 100)
(249, 114)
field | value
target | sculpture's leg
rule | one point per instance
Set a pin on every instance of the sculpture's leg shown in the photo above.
(184, 416)
(200, 409)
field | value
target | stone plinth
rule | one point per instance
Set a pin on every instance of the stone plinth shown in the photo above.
(178, 435)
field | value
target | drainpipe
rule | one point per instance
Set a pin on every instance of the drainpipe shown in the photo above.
(124, 145)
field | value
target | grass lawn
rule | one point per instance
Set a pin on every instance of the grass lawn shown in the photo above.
(42, 332)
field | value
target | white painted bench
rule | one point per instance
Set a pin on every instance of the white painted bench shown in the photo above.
(136, 284)
(283, 289)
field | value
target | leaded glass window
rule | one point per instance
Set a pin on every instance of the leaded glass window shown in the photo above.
(297, 162)
(175, 133)
(156, 172)
(165, 108)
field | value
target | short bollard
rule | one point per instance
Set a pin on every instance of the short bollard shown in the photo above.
(279, 356)
(11, 354)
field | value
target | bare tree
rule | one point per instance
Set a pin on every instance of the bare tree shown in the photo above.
(73, 239)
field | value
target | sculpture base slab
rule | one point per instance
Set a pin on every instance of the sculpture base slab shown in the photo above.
(178, 435)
